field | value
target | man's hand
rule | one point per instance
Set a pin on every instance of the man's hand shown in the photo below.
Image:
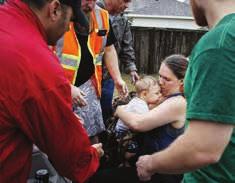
(78, 96)
(134, 77)
(80, 120)
(121, 87)
(99, 149)
(144, 167)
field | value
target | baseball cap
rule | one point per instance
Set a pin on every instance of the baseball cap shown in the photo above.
(79, 15)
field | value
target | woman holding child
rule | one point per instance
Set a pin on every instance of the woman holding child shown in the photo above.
(165, 122)
(161, 125)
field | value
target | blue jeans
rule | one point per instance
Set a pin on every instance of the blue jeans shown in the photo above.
(106, 98)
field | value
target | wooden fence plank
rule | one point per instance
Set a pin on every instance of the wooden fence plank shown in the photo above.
(152, 45)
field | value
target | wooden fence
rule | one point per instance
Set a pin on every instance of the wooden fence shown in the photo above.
(152, 45)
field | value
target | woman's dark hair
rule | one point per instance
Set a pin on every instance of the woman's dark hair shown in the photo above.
(177, 64)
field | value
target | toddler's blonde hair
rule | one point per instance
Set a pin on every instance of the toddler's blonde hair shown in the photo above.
(145, 83)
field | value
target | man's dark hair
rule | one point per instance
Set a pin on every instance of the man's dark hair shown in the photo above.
(38, 4)
(79, 16)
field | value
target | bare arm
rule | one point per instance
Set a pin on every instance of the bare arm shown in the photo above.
(111, 62)
(190, 151)
(169, 111)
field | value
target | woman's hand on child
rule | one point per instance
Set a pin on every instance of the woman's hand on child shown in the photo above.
(119, 110)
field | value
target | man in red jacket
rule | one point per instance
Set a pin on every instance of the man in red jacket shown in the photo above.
(35, 97)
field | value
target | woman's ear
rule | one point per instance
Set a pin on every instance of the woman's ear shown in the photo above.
(181, 87)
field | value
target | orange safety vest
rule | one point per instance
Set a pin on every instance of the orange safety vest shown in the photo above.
(69, 51)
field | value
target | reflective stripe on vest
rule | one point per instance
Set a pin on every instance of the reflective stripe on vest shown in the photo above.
(100, 25)
(69, 58)
(69, 50)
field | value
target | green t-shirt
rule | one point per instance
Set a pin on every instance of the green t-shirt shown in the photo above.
(210, 94)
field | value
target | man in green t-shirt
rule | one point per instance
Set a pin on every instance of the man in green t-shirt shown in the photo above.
(207, 149)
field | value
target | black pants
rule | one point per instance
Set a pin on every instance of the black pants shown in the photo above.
(129, 175)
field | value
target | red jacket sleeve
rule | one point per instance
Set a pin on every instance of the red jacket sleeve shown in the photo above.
(40, 102)
(50, 122)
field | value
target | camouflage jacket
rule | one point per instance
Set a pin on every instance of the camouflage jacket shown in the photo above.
(124, 44)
